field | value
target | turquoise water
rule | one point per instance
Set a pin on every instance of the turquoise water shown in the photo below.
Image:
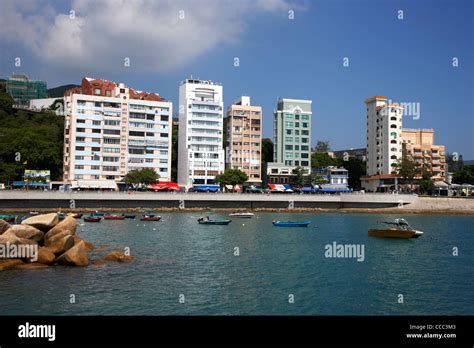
(177, 256)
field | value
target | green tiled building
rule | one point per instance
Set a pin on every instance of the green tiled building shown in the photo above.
(22, 90)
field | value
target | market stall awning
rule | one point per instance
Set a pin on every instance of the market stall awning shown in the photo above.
(165, 186)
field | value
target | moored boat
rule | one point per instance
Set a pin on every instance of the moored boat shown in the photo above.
(97, 213)
(291, 223)
(400, 230)
(129, 216)
(245, 215)
(113, 217)
(92, 219)
(150, 218)
(207, 221)
(34, 213)
(8, 218)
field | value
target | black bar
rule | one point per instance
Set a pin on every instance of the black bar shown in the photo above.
(289, 330)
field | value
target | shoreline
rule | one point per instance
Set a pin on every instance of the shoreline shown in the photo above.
(403, 210)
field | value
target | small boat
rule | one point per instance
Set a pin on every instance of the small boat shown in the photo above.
(244, 215)
(75, 215)
(129, 216)
(61, 216)
(34, 213)
(113, 217)
(401, 230)
(291, 223)
(203, 221)
(150, 218)
(150, 213)
(97, 213)
(8, 218)
(92, 219)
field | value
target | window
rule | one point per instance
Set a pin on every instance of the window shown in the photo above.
(79, 148)
(304, 148)
(97, 91)
(136, 134)
(305, 117)
(96, 123)
(289, 124)
(304, 132)
(304, 140)
(81, 121)
(288, 147)
(80, 130)
(304, 163)
(289, 132)
(80, 139)
(289, 139)
(96, 131)
(305, 124)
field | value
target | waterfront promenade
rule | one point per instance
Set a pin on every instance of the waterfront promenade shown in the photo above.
(38, 200)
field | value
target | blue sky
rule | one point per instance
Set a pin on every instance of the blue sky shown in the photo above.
(408, 60)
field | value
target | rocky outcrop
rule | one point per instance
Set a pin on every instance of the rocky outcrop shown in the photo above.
(43, 222)
(4, 226)
(118, 256)
(26, 232)
(32, 265)
(89, 246)
(9, 263)
(46, 256)
(76, 256)
(11, 238)
(60, 243)
(68, 224)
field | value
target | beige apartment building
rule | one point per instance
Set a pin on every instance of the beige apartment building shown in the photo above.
(419, 143)
(244, 138)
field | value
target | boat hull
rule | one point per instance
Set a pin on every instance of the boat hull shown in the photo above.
(291, 223)
(392, 233)
(151, 218)
(215, 222)
(114, 217)
(242, 216)
(92, 219)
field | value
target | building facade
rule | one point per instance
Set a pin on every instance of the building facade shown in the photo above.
(291, 140)
(111, 129)
(22, 89)
(244, 138)
(200, 149)
(384, 136)
(419, 144)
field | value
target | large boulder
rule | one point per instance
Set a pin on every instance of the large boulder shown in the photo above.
(43, 222)
(118, 256)
(11, 238)
(89, 246)
(61, 243)
(25, 231)
(46, 256)
(4, 226)
(9, 263)
(68, 224)
(76, 256)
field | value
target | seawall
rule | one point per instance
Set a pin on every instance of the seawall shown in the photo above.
(354, 202)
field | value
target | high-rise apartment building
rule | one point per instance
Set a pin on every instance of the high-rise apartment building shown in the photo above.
(419, 145)
(200, 148)
(111, 129)
(291, 140)
(244, 138)
(384, 136)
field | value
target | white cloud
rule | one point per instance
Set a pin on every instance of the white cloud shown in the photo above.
(149, 32)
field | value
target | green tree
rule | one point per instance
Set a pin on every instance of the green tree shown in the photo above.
(298, 176)
(29, 140)
(425, 183)
(356, 168)
(322, 146)
(322, 159)
(454, 162)
(465, 176)
(407, 168)
(318, 179)
(145, 176)
(231, 177)
(267, 150)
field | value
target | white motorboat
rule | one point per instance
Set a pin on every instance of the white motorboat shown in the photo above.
(241, 215)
